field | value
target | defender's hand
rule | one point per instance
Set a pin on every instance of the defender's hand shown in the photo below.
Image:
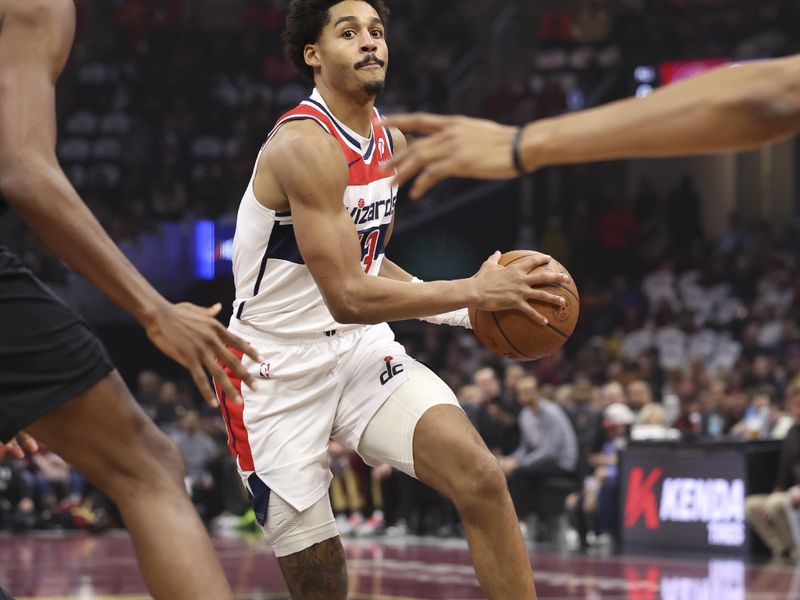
(455, 147)
(511, 287)
(21, 444)
(192, 336)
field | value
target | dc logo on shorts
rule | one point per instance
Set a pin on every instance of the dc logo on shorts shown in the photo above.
(391, 370)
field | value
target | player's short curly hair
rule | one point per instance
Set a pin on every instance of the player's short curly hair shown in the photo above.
(304, 23)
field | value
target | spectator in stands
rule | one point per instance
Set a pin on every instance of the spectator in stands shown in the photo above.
(639, 396)
(496, 419)
(766, 514)
(148, 384)
(55, 481)
(586, 420)
(16, 495)
(595, 507)
(652, 424)
(198, 450)
(548, 446)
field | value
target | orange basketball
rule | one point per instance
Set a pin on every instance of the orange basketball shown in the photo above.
(512, 334)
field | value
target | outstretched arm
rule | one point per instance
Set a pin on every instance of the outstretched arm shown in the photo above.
(35, 40)
(730, 108)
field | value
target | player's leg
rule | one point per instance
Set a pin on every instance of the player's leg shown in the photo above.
(55, 382)
(421, 430)
(308, 548)
(106, 435)
(281, 442)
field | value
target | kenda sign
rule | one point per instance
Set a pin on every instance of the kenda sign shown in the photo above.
(681, 502)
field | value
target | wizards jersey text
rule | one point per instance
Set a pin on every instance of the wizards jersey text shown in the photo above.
(275, 292)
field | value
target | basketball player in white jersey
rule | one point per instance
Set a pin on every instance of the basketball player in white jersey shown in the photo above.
(727, 109)
(313, 294)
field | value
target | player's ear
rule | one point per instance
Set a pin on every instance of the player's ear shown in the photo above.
(311, 56)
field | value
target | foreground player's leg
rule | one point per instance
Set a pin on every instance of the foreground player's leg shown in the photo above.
(451, 457)
(308, 549)
(316, 573)
(108, 438)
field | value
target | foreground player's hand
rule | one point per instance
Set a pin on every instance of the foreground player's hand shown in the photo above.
(21, 445)
(512, 286)
(455, 147)
(192, 336)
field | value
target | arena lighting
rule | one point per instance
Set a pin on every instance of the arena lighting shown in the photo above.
(204, 249)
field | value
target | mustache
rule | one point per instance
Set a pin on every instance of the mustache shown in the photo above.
(370, 58)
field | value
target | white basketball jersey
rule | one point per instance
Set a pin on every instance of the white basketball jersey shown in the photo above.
(275, 292)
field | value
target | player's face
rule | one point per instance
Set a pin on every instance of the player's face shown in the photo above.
(352, 52)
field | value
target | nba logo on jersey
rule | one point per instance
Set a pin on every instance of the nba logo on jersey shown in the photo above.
(381, 148)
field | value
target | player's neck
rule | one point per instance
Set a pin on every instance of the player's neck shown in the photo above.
(356, 113)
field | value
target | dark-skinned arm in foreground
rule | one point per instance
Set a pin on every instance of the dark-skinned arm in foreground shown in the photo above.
(35, 40)
(728, 109)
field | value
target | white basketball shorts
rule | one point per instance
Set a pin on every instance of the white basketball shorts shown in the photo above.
(310, 390)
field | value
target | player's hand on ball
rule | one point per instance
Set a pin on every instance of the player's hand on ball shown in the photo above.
(512, 286)
(21, 445)
(456, 146)
(192, 336)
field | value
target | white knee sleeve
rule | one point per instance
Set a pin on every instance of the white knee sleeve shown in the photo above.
(290, 531)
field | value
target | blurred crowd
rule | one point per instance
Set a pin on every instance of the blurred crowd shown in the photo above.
(586, 51)
(704, 352)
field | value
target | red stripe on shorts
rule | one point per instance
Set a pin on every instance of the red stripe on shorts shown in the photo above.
(233, 415)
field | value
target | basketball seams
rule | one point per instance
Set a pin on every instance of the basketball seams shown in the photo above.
(503, 333)
(555, 329)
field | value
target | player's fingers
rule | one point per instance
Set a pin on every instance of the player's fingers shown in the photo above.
(235, 341)
(14, 449)
(531, 262)
(221, 377)
(543, 296)
(213, 311)
(27, 442)
(543, 277)
(417, 122)
(432, 175)
(415, 157)
(201, 382)
(235, 365)
(532, 313)
(494, 259)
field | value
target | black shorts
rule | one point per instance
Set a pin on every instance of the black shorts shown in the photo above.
(48, 354)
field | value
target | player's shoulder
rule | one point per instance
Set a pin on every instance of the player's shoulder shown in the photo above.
(398, 138)
(303, 138)
(39, 12)
(303, 147)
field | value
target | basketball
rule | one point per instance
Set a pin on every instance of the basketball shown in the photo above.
(514, 335)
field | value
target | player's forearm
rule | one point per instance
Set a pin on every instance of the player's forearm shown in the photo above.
(43, 197)
(377, 299)
(727, 109)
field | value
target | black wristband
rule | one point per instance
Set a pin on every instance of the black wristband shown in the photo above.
(515, 153)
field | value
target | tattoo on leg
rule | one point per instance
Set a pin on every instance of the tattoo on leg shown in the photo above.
(316, 573)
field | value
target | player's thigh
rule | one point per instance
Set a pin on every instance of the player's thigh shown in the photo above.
(422, 431)
(107, 436)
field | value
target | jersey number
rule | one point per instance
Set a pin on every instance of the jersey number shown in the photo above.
(369, 248)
